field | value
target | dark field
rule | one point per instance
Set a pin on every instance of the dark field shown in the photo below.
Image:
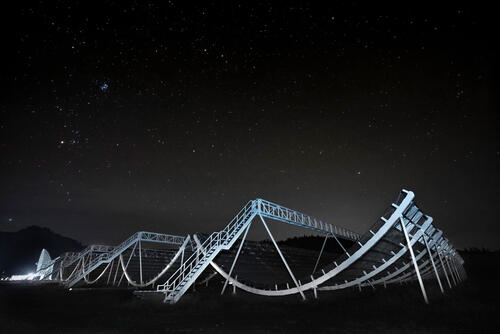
(471, 307)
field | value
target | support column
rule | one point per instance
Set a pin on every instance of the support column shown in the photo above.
(340, 244)
(442, 265)
(283, 258)
(462, 278)
(235, 259)
(182, 258)
(128, 261)
(454, 264)
(463, 272)
(315, 289)
(319, 256)
(449, 269)
(110, 271)
(140, 262)
(83, 267)
(433, 264)
(414, 260)
(116, 271)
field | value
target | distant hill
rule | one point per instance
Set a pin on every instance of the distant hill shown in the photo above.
(19, 251)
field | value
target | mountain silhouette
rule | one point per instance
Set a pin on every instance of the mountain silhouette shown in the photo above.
(19, 251)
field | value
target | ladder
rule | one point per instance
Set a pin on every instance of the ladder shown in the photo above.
(193, 266)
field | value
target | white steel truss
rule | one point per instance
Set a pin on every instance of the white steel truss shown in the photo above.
(402, 246)
(93, 256)
(404, 211)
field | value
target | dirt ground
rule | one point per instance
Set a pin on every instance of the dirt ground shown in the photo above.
(471, 307)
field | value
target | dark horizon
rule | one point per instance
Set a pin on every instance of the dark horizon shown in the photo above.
(169, 118)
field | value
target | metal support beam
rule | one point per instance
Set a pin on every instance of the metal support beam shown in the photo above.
(342, 246)
(433, 264)
(454, 265)
(83, 266)
(459, 271)
(451, 271)
(415, 264)
(320, 253)
(182, 258)
(315, 289)
(282, 258)
(140, 262)
(110, 271)
(462, 270)
(116, 273)
(126, 266)
(235, 259)
(442, 265)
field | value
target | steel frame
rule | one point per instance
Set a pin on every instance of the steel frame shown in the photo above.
(402, 246)
(413, 213)
(93, 256)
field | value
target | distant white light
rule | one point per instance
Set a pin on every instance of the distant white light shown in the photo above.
(104, 87)
(29, 277)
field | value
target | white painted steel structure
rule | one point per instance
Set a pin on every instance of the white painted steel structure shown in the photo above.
(402, 245)
(80, 265)
(403, 216)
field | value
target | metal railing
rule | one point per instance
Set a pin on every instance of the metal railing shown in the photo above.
(213, 243)
(278, 212)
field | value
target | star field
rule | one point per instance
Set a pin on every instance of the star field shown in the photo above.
(166, 116)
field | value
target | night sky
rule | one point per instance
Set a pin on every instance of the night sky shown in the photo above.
(121, 116)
